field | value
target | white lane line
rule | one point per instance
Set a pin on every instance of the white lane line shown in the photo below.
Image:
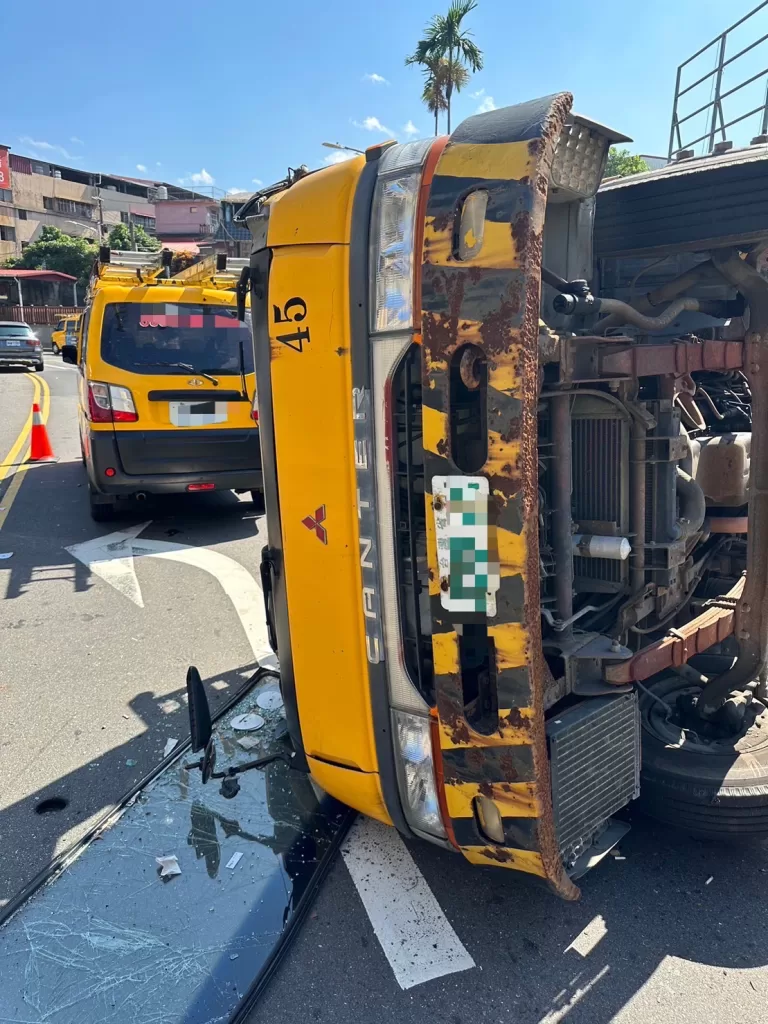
(111, 557)
(412, 929)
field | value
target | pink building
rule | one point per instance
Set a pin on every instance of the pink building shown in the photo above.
(186, 220)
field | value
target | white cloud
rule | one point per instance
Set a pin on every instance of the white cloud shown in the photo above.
(77, 142)
(375, 79)
(477, 95)
(339, 157)
(372, 124)
(140, 167)
(486, 106)
(43, 147)
(411, 129)
(257, 181)
(201, 177)
(158, 164)
(234, 191)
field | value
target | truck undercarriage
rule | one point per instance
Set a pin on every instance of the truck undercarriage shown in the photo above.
(651, 487)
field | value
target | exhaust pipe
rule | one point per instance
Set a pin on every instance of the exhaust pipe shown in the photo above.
(141, 496)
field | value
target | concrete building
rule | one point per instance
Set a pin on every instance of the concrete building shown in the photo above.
(231, 237)
(34, 193)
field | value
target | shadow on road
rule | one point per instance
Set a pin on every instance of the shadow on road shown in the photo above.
(29, 840)
(51, 513)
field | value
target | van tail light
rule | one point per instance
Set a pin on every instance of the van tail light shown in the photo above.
(123, 409)
(110, 403)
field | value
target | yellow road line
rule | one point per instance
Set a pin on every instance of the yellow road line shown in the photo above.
(39, 385)
(11, 461)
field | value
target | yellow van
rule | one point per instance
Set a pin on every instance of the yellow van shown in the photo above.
(65, 333)
(167, 388)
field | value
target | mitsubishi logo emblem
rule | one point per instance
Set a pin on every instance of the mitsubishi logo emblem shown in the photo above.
(314, 523)
(195, 382)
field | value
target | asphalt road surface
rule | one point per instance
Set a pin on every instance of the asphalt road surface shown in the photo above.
(90, 691)
(91, 684)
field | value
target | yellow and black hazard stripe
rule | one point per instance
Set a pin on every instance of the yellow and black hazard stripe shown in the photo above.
(492, 301)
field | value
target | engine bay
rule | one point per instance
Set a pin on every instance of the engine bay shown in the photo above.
(644, 421)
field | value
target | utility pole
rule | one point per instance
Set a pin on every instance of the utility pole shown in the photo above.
(101, 210)
(132, 230)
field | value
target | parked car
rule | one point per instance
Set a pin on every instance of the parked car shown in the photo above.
(20, 346)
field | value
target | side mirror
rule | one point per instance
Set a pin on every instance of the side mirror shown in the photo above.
(69, 354)
(200, 729)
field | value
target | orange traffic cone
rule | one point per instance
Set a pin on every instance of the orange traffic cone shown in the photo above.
(40, 450)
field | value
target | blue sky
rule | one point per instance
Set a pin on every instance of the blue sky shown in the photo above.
(227, 93)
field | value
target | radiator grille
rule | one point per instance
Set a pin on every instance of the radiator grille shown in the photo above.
(597, 487)
(594, 750)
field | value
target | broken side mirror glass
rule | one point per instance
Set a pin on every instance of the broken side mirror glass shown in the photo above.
(201, 738)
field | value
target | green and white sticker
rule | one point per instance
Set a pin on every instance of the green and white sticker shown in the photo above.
(469, 578)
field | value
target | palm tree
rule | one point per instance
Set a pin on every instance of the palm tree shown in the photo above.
(435, 81)
(444, 38)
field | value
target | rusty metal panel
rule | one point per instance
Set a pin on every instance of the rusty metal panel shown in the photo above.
(712, 626)
(493, 302)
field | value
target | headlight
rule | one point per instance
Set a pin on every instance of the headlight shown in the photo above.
(392, 252)
(415, 766)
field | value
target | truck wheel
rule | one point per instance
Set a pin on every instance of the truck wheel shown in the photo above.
(712, 788)
(55, 349)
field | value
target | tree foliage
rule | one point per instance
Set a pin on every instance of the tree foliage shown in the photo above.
(54, 250)
(444, 39)
(120, 238)
(622, 163)
(182, 259)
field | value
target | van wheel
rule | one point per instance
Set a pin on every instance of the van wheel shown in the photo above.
(714, 788)
(101, 511)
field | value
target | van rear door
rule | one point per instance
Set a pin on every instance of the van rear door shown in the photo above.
(181, 364)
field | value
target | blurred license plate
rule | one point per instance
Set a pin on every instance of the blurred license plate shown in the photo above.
(469, 571)
(12, 344)
(197, 414)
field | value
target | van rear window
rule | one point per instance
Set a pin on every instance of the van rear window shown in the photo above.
(138, 336)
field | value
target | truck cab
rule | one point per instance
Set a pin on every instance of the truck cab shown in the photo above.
(491, 560)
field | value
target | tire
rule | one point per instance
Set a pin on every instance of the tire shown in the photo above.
(710, 789)
(101, 511)
(39, 367)
(257, 497)
(55, 349)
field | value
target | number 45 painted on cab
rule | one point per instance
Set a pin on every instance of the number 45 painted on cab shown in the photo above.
(293, 311)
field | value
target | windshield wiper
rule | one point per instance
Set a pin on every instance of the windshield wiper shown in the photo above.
(184, 366)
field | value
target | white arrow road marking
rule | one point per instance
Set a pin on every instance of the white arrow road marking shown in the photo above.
(409, 923)
(112, 558)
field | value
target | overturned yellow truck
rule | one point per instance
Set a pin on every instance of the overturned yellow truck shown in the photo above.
(516, 487)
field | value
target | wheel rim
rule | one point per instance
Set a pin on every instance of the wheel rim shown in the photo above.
(665, 727)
